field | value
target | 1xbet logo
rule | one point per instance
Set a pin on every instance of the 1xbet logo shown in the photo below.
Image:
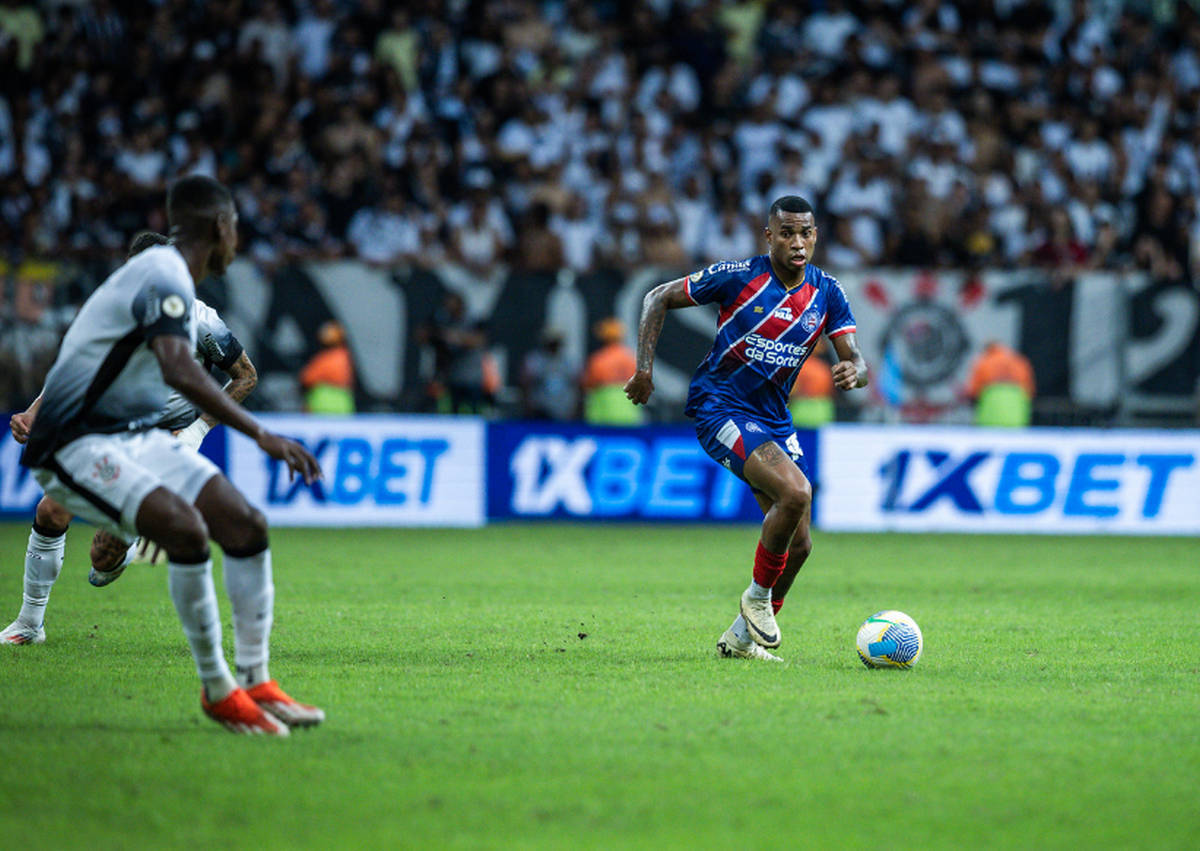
(1028, 482)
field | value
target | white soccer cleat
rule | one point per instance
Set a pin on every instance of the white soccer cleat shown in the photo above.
(730, 648)
(19, 633)
(760, 620)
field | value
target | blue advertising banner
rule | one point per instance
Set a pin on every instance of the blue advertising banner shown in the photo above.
(581, 472)
(19, 491)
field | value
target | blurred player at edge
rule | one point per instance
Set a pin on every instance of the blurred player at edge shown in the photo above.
(774, 307)
(215, 346)
(94, 450)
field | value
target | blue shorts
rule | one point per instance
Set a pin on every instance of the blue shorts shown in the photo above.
(730, 438)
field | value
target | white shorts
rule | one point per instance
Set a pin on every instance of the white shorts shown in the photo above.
(103, 478)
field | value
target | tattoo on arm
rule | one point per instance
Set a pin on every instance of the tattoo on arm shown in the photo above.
(658, 301)
(650, 326)
(243, 378)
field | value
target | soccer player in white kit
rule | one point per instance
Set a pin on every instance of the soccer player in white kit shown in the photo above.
(94, 450)
(216, 346)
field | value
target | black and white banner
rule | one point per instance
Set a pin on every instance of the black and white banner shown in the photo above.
(1103, 342)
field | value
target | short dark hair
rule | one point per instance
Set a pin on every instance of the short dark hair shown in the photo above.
(144, 239)
(196, 200)
(789, 204)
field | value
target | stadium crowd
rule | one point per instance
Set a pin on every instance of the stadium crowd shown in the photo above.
(588, 134)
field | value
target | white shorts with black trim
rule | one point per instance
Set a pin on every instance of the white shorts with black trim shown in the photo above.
(103, 478)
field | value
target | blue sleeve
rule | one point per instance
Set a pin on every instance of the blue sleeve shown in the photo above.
(718, 283)
(839, 318)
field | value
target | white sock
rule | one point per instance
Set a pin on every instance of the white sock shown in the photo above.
(252, 594)
(195, 601)
(43, 563)
(740, 631)
(758, 592)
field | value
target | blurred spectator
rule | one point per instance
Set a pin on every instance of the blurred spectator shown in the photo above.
(728, 236)
(465, 377)
(549, 380)
(811, 400)
(604, 377)
(539, 248)
(328, 378)
(1001, 384)
(385, 235)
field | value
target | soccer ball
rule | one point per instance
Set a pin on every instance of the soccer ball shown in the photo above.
(889, 639)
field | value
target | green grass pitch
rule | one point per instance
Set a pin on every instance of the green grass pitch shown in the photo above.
(556, 686)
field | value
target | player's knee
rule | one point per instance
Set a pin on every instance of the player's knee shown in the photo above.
(186, 537)
(51, 517)
(795, 501)
(243, 534)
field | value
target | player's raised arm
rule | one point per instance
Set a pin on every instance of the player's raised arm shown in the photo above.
(181, 372)
(669, 296)
(851, 370)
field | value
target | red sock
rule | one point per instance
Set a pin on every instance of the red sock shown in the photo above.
(776, 605)
(768, 566)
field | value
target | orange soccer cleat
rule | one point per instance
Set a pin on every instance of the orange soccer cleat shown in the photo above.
(280, 704)
(238, 713)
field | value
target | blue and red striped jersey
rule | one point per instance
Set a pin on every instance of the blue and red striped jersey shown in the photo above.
(765, 332)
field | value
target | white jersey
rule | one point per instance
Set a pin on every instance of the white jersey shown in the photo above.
(105, 378)
(215, 346)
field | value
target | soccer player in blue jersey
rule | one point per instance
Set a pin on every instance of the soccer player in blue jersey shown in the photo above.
(774, 307)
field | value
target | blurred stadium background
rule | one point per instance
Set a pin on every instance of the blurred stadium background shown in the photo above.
(466, 201)
(1028, 169)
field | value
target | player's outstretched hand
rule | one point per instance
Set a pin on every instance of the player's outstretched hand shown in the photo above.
(845, 375)
(639, 388)
(21, 424)
(298, 459)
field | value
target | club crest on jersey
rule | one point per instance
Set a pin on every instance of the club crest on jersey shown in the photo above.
(784, 313)
(173, 306)
(107, 471)
(696, 276)
(809, 320)
(751, 426)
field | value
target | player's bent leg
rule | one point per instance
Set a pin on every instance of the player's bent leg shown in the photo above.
(235, 524)
(787, 497)
(241, 530)
(164, 517)
(110, 556)
(798, 554)
(51, 516)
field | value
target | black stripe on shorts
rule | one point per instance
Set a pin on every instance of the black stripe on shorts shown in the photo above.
(53, 466)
